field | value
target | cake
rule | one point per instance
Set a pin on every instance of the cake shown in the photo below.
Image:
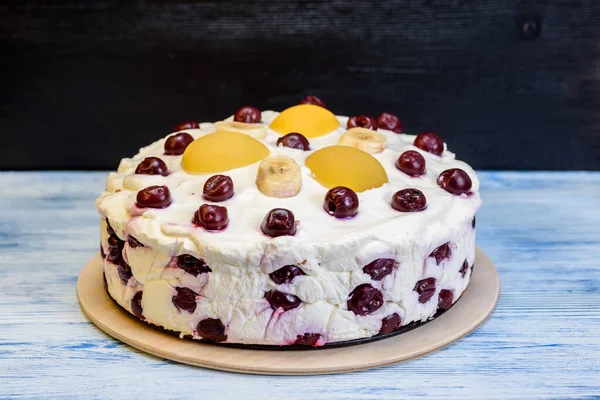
(292, 228)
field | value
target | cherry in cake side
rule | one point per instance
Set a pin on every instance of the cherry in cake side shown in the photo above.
(292, 228)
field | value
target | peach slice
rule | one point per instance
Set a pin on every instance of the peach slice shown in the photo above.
(222, 151)
(308, 119)
(346, 166)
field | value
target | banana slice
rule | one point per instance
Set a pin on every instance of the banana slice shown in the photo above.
(279, 177)
(255, 130)
(364, 139)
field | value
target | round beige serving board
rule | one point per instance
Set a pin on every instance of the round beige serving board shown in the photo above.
(466, 315)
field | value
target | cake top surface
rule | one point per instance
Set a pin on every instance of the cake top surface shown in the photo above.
(317, 231)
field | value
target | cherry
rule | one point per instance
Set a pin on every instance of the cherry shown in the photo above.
(152, 166)
(211, 217)
(124, 271)
(115, 249)
(308, 339)
(218, 188)
(286, 274)
(409, 200)
(430, 142)
(364, 299)
(425, 288)
(186, 125)
(282, 300)
(109, 229)
(464, 268)
(379, 268)
(362, 121)
(104, 283)
(185, 299)
(176, 144)
(133, 242)
(473, 222)
(136, 304)
(441, 253)
(455, 181)
(279, 222)
(411, 163)
(192, 265)
(445, 299)
(389, 122)
(294, 140)
(102, 252)
(212, 329)
(390, 323)
(313, 100)
(154, 197)
(247, 114)
(341, 202)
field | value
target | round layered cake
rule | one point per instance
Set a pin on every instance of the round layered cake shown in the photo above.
(292, 228)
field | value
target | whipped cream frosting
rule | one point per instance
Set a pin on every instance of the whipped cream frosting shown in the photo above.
(332, 252)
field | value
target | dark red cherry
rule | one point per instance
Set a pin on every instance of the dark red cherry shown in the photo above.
(136, 305)
(411, 163)
(425, 289)
(294, 140)
(341, 202)
(104, 283)
(124, 271)
(192, 265)
(445, 299)
(154, 197)
(248, 114)
(109, 229)
(455, 181)
(379, 268)
(308, 339)
(186, 125)
(286, 274)
(102, 252)
(390, 323)
(364, 299)
(441, 253)
(185, 299)
(279, 222)
(115, 249)
(152, 166)
(389, 122)
(212, 329)
(282, 300)
(218, 188)
(430, 142)
(464, 268)
(313, 100)
(133, 242)
(473, 222)
(211, 217)
(362, 121)
(176, 144)
(409, 200)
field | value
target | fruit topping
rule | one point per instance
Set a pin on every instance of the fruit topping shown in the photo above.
(186, 125)
(341, 202)
(308, 119)
(364, 139)
(282, 300)
(346, 166)
(218, 188)
(154, 197)
(279, 222)
(411, 163)
(222, 151)
(362, 121)
(211, 217)
(409, 200)
(252, 130)
(248, 114)
(177, 143)
(455, 181)
(364, 299)
(152, 166)
(294, 140)
(389, 122)
(313, 100)
(279, 177)
(379, 268)
(430, 142)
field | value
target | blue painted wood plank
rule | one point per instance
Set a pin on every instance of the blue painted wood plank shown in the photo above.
(542, 230)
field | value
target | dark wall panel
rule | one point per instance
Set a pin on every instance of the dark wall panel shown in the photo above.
(508, 84)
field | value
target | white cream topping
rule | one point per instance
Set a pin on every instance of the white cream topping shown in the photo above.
(332, 252)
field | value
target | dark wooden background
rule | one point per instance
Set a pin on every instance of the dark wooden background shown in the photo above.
(508, 84)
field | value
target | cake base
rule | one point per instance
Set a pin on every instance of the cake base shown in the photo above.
(475, 305)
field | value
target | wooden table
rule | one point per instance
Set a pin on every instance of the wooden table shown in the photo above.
(541, 229)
